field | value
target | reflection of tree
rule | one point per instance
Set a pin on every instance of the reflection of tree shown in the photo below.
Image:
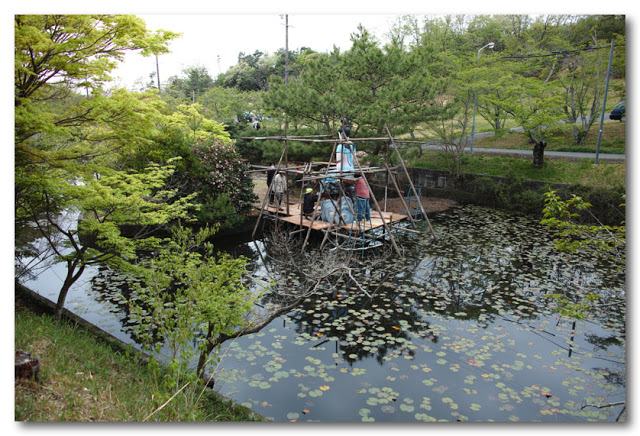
(356, 321)
(488, 261)
(349, 296)
(603, 343)
(477, 267)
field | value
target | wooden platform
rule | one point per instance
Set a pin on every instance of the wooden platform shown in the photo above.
(294, 218)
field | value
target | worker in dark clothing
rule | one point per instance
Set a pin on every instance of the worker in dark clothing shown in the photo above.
(270, 173)
(309, 201)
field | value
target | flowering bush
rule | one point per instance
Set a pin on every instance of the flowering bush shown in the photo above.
(226, 188)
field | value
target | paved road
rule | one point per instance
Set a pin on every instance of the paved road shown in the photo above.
(434, 146)
(548, 154)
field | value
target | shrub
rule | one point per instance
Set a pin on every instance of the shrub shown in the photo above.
(223, 181)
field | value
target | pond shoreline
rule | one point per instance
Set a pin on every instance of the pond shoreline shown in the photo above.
(30, 300)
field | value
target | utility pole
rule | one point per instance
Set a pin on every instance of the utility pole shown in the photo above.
(604, 100)
(286, 81)
(286, 49)
(158, 72)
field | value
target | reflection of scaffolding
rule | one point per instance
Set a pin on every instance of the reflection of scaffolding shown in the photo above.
(317, 174)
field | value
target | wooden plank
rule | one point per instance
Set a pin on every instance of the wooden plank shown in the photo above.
(294, 218)
(315, 225)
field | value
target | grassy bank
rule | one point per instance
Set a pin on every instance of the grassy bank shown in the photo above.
(613, 140)
(85, 378)
(585, 172)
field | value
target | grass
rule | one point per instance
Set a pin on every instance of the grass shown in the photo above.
(584, 172)
(85, 378)
(613, 140)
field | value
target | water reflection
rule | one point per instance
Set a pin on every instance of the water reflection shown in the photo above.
(459, 329)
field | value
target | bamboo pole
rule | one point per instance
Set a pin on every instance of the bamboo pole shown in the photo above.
(377, 206)
(264, 201)
(410, 182)
(309, 139)
(404, 203)
(301, 200)
(304, 245)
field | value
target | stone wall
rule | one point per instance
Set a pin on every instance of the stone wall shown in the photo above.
(509, 193)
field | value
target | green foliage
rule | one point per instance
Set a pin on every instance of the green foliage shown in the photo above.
(104, 203)
(581, 79)
(574, 309)
(190, 118)
(185, 291)
(80, 50)
(225, 188)
(222, 104)
(607, 242)
(369, 85)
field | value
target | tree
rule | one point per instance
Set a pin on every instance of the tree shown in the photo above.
(494, 87)
(98, 206)
(56, 57)
(186, 289)
(221, 181)
(187, 88)
(607, 242)
(369, 85)
(73, 52)
(190, 119)
(223, 104)
(582, 78)
(251, 73)
(313, 99)
(387, 86)
(68, 146)
(197, 82)
(536, 106)
(452, 125)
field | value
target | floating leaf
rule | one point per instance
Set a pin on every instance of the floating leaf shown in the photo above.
(364, 412)
(388, 408)
(407, 408)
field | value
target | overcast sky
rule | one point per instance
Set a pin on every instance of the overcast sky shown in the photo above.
(213, 33)
(209, 37)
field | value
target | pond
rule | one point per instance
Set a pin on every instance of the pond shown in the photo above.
(460, 329)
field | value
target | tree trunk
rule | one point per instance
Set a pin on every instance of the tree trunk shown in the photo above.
(204, 354)
(68, 282)
(538, 154)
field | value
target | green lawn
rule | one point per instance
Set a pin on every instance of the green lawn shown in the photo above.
(85, 378)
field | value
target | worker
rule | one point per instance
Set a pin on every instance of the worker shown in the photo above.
(270, 173)
(363, 209)
(309, 201)
(279, 187)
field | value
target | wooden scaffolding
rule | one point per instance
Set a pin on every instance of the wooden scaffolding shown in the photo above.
(315, 173)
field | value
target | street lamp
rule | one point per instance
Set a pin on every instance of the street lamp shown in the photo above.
(475, 96)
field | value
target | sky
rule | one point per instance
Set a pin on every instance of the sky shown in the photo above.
(214, 33)
(214, 40)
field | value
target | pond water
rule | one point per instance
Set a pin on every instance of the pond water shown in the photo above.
(457, 330)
